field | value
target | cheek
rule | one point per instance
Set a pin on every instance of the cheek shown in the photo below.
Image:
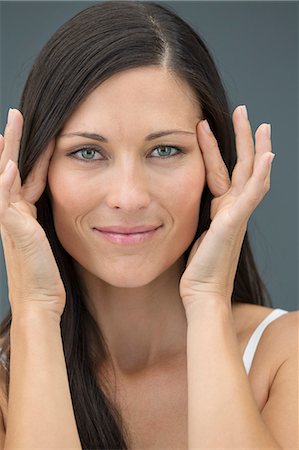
(185, 198)
(181, 198)
(69, 191)
(69, 201)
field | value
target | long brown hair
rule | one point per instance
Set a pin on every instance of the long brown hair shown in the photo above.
(100, 41)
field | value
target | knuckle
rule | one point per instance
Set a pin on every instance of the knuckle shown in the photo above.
(221, 181)
(222, 174)
(255, 199)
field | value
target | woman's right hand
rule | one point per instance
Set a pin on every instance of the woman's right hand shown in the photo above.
(34, 281)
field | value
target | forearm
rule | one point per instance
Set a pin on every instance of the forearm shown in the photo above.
(40, 411)
(222, 412)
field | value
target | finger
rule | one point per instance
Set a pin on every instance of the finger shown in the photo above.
(16, 220)
(263, 145)
(217, 174)
(1, 145)
(7, 178)
(12, 138)
(256, 187)
(37, 179)
(245, 150)
(263, 139)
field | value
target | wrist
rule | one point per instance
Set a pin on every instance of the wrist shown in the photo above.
(32, 316)
(207, 306)
(33, 329)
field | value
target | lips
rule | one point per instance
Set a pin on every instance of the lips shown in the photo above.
(120, 235)
(128, 230)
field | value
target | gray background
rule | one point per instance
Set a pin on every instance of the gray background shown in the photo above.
(255, 47)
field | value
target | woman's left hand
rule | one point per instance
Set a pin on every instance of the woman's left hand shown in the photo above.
(213, 260)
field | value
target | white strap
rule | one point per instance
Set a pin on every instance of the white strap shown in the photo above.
(249, 352)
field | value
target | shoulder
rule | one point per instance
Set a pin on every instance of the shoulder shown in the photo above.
(279, 340)
(247, 317)
(281, 335)
(280, 412)
(280, 332)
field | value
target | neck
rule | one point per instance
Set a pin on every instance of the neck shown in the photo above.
(142, 327)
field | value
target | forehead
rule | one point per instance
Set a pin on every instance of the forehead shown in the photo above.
(145, 97)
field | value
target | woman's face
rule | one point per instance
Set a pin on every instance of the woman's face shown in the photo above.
(128, 179)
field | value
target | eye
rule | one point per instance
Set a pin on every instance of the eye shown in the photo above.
(87, 153)
(162, 152)
(166, 151)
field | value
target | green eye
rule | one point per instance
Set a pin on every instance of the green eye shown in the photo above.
(87, 154)
(165, 151)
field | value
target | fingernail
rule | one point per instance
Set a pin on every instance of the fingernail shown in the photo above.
(10, 115)
(271, 158)
(269, 130)
(244, 111)
(206, 126)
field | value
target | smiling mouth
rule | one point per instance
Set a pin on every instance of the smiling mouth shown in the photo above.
(128, 236)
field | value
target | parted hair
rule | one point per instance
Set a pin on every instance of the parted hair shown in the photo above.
(100, 41)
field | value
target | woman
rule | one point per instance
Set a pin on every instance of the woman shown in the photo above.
(132, 286)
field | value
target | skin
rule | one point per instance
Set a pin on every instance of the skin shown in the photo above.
(133, 291)
(36, 291)
(140, 276)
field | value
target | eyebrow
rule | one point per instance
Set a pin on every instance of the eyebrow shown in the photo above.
(149, 137)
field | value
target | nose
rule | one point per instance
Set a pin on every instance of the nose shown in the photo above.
(128, 189)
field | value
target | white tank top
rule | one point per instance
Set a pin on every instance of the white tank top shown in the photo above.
(251, 347)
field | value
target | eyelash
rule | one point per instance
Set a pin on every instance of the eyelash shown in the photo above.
(180, 151)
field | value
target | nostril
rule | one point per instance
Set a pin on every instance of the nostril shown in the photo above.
(128, 198)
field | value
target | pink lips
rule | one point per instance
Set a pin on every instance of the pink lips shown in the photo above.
(128, 235)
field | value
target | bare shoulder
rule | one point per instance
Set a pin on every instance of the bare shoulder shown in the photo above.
(279, 340)
(274, 376)
(281, 335)
(247, 317)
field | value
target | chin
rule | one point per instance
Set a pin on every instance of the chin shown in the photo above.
(119, 277)
(128, 284)
(128, 280)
